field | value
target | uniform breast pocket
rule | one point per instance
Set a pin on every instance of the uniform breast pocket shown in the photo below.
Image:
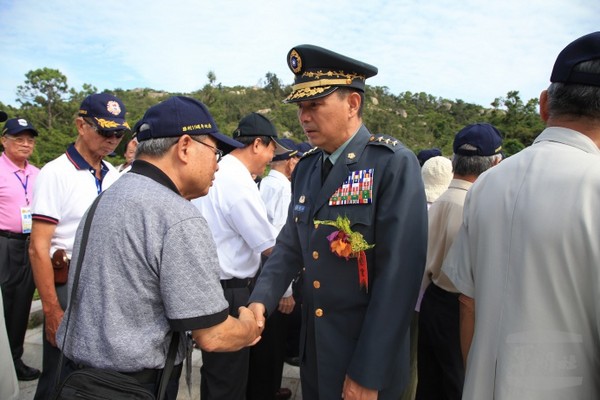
(360, 216)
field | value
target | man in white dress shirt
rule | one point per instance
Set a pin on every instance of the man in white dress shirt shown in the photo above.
(237, 217)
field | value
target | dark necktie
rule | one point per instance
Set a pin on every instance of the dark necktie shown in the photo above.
(327, 165)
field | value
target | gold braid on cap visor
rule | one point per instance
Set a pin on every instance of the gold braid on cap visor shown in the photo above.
(321, 84)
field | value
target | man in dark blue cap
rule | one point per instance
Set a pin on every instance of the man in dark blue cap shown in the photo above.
(17, 179)
(65, 188)
(162, 262)
(357, 225)
(477, 147)
(528, 250)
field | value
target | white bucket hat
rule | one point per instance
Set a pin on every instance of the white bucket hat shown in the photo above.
(437, 174)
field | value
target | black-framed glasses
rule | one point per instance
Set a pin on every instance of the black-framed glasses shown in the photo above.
(218, 152)
(107, 134)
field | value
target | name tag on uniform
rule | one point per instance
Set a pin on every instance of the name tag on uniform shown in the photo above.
(25, 219)
(356, 189)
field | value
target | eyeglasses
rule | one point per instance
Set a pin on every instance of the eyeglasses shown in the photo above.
(107, 134)
(21, 140)
(218, 153)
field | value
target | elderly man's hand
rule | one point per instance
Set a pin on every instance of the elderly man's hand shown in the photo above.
(286, 304)
(53, 317)
(247, 317)
(354, 391)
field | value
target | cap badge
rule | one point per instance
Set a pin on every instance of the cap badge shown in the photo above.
(22, 122)
(295, 62)
(113, 107)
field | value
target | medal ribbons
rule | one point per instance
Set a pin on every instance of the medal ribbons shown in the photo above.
(356, 189)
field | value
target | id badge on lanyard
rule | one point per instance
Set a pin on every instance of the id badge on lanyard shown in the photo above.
(26, 219)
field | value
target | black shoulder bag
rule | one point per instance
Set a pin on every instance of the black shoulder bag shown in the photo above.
(96, 383)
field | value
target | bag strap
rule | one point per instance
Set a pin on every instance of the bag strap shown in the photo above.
(168, 370)
(170, 362)
(82, 247)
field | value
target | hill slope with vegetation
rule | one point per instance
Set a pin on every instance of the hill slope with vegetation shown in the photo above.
(419, 120)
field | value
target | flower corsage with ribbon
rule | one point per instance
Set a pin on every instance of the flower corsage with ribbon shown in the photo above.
(348, 244)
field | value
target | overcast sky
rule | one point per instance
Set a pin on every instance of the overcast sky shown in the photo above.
(471, 50)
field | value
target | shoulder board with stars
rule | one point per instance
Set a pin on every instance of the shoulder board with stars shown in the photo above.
(385, 140)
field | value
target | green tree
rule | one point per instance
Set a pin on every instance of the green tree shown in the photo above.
(44, 87)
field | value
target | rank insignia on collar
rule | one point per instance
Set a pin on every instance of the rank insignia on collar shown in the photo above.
(356, 189)
(351, 156)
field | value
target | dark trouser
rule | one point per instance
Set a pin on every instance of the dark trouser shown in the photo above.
(51, 355)
(16, 279)
(440, 364)
(266, 359)
(224, 375)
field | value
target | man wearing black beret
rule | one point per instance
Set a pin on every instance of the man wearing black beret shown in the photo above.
(357, 225)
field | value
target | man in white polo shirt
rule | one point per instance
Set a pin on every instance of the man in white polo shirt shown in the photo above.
(65, 188)
(238, 221)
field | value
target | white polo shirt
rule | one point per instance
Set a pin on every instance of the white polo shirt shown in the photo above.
(64, 189)
(528, 252)
(237, 218)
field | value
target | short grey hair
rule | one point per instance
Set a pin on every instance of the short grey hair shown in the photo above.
(473, 165)
(575, 100)
(158, 147)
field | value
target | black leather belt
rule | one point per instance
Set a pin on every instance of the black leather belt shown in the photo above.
(12, 235)
(237, 283)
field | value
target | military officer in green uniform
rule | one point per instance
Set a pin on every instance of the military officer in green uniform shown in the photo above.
(357, 225)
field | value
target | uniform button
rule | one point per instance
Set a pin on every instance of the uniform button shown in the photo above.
(315, 255)
(303, 268)
(316, 284)
(316, 226)
(319, 312)
(295, 219)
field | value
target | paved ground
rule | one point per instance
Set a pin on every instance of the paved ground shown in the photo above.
(33, 358)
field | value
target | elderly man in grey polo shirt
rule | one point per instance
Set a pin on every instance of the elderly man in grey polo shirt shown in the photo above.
(158, 274)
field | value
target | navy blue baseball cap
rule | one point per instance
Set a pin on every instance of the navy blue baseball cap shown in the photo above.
(293, 150)
(107, 111)
(318, 72)
(426, 154)
(586, 48)
(178, 116)
(14, 126)
(480, 140)
(303, 148)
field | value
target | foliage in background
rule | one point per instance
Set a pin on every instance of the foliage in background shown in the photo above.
(419, 120)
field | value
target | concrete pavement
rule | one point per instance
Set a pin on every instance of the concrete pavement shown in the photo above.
(33, 357)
